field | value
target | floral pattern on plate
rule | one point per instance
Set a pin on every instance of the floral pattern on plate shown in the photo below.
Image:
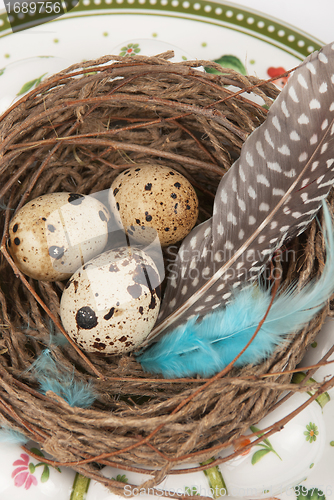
(131, 49)
(23, 474)
(256, 41)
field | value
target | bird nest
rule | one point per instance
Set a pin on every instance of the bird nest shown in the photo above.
(76, 132)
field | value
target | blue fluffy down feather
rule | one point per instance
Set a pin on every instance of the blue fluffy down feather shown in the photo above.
(207, 347)
(76, 393)
(10, 436)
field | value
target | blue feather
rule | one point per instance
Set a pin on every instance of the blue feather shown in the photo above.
(11, 436)
(51, 378)
(56, 337)
(75, 393)
(207, 347)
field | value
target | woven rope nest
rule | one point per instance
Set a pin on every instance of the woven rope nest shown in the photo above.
(75, 132)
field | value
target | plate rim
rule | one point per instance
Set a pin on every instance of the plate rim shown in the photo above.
(228, 15)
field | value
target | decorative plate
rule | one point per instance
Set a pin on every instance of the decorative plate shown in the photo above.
(204, 29)
(245, 40)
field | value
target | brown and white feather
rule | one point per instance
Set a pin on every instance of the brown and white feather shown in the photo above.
(270, 194)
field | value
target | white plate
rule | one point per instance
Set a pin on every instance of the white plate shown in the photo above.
(203, 29)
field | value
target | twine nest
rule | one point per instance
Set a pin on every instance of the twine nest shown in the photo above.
(75, 132)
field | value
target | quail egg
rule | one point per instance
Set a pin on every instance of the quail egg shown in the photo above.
(53, 235)
(111, 303)
(154, 200)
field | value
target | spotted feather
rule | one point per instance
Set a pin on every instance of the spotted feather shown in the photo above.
(270, 194)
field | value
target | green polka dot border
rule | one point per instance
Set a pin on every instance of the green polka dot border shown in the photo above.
(269, 30)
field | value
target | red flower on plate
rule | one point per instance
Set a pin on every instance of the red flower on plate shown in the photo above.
(272, 72)
(22, 474)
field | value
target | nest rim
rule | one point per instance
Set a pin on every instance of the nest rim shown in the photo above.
(155, 425)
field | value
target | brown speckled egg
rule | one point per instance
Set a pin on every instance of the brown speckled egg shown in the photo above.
(111, 303)
(53, 235)
(154, 199)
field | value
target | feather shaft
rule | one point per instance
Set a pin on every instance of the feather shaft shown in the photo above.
(207, 347)
(269, 195)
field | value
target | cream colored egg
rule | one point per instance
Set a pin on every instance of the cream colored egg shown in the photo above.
(53, 235)
(111, 303)
(154, 200)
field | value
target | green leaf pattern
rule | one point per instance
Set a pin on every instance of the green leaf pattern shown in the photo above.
(31, 468)
(259, 454)
(45, 474)
(31, 84)
(311, 432)
(228, 61)
(302, 493)
(131, 49)
(36, 451)
(191, 491)
(24, 475)
(121, 478)
(46, 469)
(265, 445)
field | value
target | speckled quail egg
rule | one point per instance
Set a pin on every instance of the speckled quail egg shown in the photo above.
(154, 200)
(53, 235)
(111, 303)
